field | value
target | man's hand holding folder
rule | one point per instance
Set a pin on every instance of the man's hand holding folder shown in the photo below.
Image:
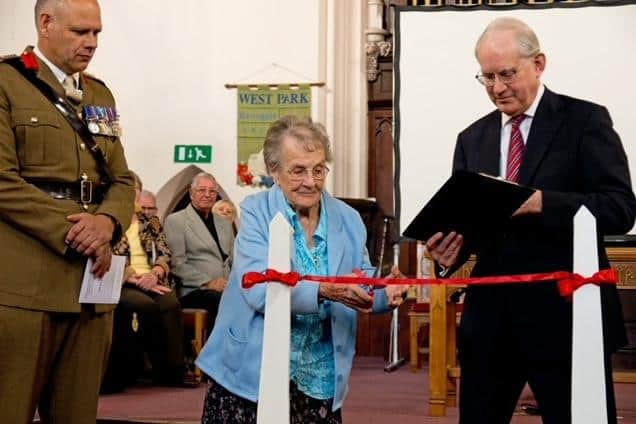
(534, 204)
(445, 248)
(467, 211)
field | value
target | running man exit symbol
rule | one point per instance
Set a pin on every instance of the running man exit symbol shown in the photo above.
(192, 154)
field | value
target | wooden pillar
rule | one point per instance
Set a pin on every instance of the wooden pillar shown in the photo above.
(437, 352)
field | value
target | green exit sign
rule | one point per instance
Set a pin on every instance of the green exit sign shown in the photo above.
(192, 154)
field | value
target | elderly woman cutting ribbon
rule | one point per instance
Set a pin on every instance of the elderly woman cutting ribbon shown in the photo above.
(328, 239)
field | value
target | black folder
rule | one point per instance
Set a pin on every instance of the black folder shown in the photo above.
(474, 205)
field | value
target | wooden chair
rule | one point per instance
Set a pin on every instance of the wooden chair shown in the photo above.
(443, 367)
(196, 320)
(419, 315)
(418, 321)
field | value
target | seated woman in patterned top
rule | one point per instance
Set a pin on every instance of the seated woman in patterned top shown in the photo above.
(146, 291)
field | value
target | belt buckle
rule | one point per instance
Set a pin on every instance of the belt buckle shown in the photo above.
(86, 191)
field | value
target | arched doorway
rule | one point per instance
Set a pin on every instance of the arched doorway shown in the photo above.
(174, 195)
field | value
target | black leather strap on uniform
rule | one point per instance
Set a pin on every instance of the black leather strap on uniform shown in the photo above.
(68, 111)
(80, 191)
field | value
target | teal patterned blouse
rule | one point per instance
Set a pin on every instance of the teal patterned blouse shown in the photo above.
(312, 364)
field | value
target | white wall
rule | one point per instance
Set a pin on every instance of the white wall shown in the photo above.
(590, 54)
(167, 63)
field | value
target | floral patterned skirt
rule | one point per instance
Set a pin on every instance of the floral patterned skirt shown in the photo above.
(223, 407)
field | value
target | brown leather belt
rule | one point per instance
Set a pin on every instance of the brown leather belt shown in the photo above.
(84, 191)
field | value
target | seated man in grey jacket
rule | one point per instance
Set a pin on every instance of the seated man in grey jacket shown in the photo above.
(201, 244)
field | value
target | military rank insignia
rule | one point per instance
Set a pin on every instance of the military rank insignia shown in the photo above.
(102, 120)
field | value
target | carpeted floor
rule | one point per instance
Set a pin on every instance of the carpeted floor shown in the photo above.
(375, 397)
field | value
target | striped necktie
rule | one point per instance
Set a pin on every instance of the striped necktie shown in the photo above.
(516, 149)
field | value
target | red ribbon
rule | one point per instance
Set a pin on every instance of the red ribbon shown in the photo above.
(567, 282)
(271, 275)
(568, 286)
(30, 61)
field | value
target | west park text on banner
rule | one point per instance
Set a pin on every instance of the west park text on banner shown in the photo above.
(258, 107)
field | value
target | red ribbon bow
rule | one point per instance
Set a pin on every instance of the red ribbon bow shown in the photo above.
(30, 61)
(271, 275)
(567, 286)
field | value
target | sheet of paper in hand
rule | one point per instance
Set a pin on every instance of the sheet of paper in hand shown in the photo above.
(106, 289)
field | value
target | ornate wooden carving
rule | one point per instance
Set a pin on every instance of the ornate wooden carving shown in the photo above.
(624, 261)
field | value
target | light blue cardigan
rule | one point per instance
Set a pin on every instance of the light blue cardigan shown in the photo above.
(232, 354)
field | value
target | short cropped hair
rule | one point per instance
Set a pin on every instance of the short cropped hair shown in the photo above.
(222, 202)
(42, 5)
(206, 175)
(526, 38)
(311, 135)
(148, 193)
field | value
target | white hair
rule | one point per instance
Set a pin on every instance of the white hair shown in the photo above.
(526, 38)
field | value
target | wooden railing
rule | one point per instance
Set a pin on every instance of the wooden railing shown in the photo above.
(443, 368)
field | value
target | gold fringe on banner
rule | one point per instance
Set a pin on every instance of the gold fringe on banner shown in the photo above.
(501, 2)
(428, 3)
(465, 3)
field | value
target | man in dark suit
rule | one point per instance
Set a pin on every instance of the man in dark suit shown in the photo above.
(56, 211)
(567, 150)
(201, 243)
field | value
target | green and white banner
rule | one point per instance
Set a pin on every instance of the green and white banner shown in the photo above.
(257, 109)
